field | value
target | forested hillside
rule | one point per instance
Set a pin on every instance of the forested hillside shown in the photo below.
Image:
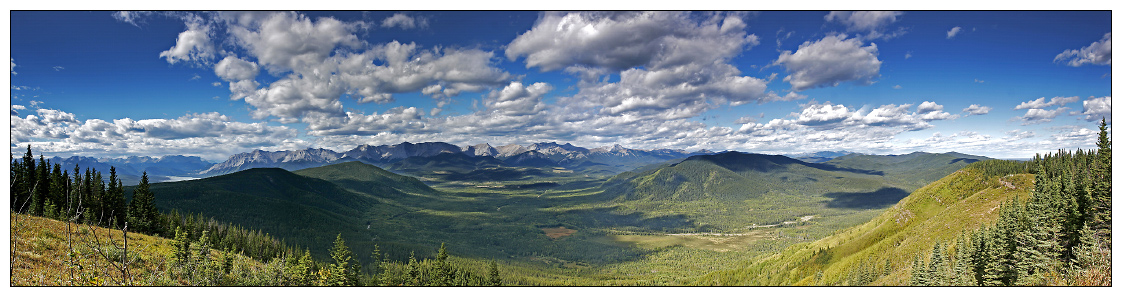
(1043, 222)
(731, 190)
(305, 211)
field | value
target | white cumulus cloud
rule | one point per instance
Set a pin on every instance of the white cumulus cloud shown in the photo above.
(829, 62)
(1098, 53)
(1095, 109)
(1037, 116)
(872, 23)
(404, 21)
(193, 45)
(622, 40)
(209, 135)
(1040, 103)
(516, 99)
(975, 109)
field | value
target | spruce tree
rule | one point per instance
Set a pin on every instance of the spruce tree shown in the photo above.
(412, 271)
(21, 201)
(89, 202)
(181, 247)
(17, 189)
(919, 273)
(964, 262)
(1101, 196)
(42, 187)
(1038, 243)
(74, 200)
(142, 213)
(493, 278)
(115, 199)
(443, 268)
(937, 268)
(342, 272)
(58, 192)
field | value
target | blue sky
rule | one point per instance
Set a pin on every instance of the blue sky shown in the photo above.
(211, 84)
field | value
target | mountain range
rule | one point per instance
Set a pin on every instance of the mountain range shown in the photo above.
(403, 158)
(544, 154)
(130, 169)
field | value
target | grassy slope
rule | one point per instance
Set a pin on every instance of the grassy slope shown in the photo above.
(40, 248)
(39, 258)
(938, 212)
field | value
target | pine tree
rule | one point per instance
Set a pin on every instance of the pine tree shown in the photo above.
(58, 192)
(115, 199)
(74, 195)
(990, 264)
(226, 259)
(1101, 195)
(299, 270)
(181, 247)
(90, 201)
(443, 268)
(342, 273)
(493, 278)
(937, 268)
(963, 262)
(919, 273)
(412, 271)
(142, 213)
(202, 262)
(101, 218)
(21, 199)
(16, 169)
(42, 187)
(1038, 243)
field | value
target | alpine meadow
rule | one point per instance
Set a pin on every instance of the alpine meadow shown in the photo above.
(584, 148)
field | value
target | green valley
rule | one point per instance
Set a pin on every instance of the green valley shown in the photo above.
(704, 210)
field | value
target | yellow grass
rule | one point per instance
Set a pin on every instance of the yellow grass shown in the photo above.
(46, 253)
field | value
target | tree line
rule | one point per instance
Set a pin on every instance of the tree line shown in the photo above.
(45, 189)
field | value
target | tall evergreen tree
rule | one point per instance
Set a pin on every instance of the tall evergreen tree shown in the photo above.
(937, 274)
(964, 262)
(919, 273)
(181, 247)
(1101, 196)
(74, 200)
(21, 200)
(58, 192)
(1038, 243)
(493, 278)
(115, 199)
(16, 189)
(142, 212)
(342, 272)
(42, 187)
(90, 201)
(443, 268)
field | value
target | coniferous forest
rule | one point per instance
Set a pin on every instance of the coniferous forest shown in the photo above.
(1060, 235)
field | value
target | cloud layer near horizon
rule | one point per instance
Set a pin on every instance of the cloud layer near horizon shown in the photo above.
(642, 79)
